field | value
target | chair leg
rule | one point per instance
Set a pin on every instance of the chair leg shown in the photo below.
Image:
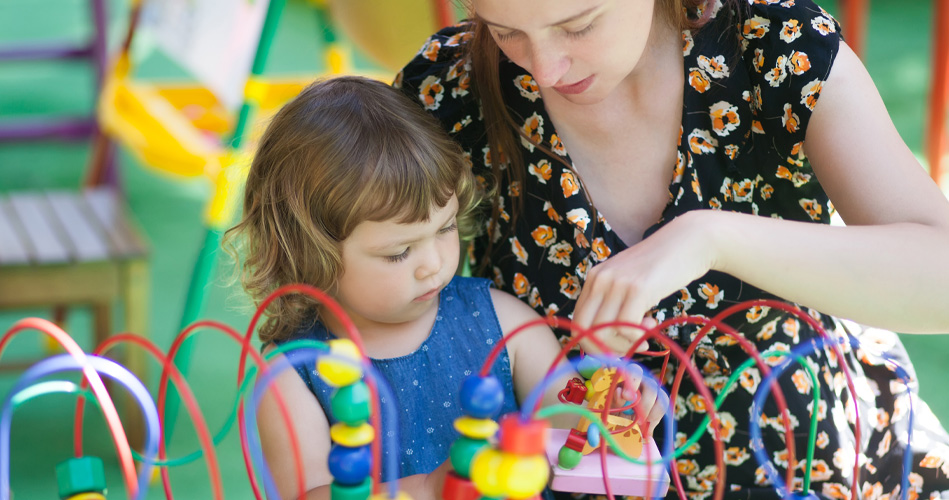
(135, 286)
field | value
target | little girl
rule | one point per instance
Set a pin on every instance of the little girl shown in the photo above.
(355, 190)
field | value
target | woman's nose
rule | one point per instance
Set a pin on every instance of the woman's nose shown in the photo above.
(548, 64)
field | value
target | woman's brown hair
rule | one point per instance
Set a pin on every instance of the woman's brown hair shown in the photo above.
(502, 129)
(344, 151)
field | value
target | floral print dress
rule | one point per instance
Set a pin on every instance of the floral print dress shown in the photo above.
(752, 80)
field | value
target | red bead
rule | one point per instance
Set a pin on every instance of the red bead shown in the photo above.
(458, 488)
(523, 438)
(575, 440)
(575, 392)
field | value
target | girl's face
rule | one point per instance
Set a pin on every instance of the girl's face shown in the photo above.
(581, 49)
(393, 272)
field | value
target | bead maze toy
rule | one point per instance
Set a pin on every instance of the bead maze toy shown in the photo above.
(515, 457)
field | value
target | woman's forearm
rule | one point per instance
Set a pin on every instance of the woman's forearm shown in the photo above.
(892, 276)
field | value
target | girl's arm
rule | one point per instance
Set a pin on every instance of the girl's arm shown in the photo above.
(531, 351)
(313, 434)
(886, 268)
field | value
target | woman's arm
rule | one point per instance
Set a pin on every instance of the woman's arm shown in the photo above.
(890, 266)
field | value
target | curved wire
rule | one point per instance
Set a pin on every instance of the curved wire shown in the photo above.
(191, 404)
(123, 449)
(307, 354)
(66, 362)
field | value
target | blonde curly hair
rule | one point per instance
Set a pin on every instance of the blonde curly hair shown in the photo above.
(344, 151)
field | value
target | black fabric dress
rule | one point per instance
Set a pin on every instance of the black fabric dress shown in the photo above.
(752, 80)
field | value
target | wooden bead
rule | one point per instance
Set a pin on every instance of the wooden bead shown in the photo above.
(351, 436)
(340, 373)
(359, 491)
(587, 366)
(349, 466)
(523, 438)
(350, 403)
(476, 428)
(462, 452)
(459, 488)
(481, 397)
(568, 458)
(500, 474)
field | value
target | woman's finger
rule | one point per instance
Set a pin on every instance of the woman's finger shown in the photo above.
(658, 411)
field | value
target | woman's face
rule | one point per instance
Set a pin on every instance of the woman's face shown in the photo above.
(581, 49)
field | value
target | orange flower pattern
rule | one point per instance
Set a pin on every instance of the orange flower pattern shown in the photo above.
(747, 106)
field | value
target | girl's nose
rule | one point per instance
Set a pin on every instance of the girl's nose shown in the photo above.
(429, 264)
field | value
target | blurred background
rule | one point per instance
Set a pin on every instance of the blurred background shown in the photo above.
(171, 209)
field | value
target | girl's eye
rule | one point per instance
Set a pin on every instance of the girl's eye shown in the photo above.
(398, 258)
(579, 33)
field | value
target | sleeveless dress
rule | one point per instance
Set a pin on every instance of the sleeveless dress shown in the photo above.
(425, 383)
(752, 79)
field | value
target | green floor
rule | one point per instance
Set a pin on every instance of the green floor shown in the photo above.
(170, 213)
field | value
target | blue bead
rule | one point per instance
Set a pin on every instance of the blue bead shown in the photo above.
(350, 466)
(593, 436)
(587, 366)
(481, 397)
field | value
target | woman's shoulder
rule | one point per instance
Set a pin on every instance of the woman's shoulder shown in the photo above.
(782, 27)
(438, 77)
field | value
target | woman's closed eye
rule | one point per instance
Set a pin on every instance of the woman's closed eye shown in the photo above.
(579, 32)
(449, 228)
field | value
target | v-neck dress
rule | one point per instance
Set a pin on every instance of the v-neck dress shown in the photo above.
(752, 81)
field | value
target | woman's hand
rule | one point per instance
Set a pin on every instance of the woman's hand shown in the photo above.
(651, 401)
(626, 286)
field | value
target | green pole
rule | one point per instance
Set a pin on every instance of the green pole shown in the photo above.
(207, 257)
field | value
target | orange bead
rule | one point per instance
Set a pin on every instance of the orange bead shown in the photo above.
(523, 438)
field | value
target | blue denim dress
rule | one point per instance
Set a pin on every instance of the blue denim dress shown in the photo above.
(425, 383)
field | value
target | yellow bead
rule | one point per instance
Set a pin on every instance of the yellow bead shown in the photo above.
(340, 373)
(476, 428)
(350, 436)
(527, 477)
(499, 474)
(385, 496)
(486, 473)
(589, 394)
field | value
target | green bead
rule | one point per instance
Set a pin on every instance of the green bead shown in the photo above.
(587, 366)
(350, 403)
(462, 452)
(345, 492)
(80, 475)
(568, 459)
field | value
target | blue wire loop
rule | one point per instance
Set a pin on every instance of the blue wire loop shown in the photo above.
(306, 355)
(104, 366)
(764, 390)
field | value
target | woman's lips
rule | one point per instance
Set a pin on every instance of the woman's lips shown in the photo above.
(575, 88)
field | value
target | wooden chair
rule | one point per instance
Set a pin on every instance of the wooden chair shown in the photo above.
(855, 15)
(75, 247)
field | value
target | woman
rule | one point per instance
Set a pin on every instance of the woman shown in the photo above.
(672, 157)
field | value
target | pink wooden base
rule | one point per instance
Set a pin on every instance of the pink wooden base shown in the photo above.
(626, 478)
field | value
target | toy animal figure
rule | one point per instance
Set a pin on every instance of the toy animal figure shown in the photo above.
(625, 431)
